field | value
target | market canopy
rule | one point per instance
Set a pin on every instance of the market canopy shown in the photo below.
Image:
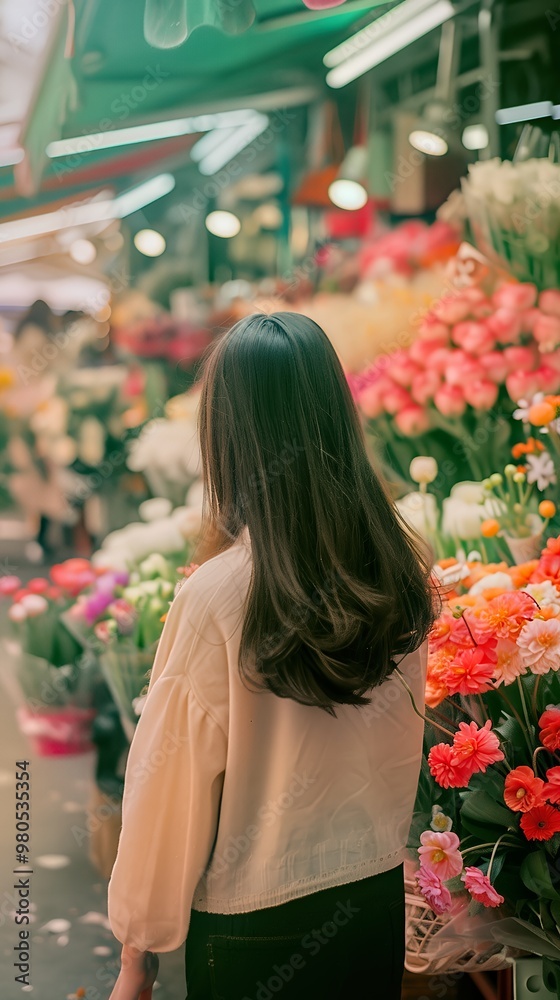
(266, 55)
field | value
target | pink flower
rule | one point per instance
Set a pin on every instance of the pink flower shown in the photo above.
(424, 386)
(509, 664)
(546, 330)
(520, 359)
(432, 328)
(445, 769)
(473, 336)
(462, 367)
(9, 585)
(476, 747)
(551, 790)
(433, 890)
(514, 295)
(495, 366)
(553, 360)
(370, 399)
(402, 369)
(423, 348)
(470, 672)
(450, 401)
(549, 302)
(539, 641)
(412, 420)
(440, 853)
(481, 395)
(505, 325)
(395, 398)
(549, 378)
(451, 309)
(521, 385)
(438, 360)
(480, 887)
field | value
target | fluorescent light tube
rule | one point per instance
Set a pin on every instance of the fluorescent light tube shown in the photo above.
(383, 38)
(90, 143)
(214, 158)
(525, 112)
(102, 210)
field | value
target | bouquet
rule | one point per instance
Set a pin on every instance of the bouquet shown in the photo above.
(486, 833)
(514, 216)
(122, 618)
(455, 388)
(51, 679)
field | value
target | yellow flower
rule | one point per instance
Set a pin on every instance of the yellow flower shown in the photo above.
(7, 379)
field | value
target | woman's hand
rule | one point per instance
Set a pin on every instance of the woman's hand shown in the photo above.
(138, 973)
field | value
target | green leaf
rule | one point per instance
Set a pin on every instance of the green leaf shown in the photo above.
(482, 808)
(536, 876)
(520, 934)
(512, 733)
(497, 865)
(555, 911)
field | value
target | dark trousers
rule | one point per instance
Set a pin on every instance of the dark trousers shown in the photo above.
(346, 942)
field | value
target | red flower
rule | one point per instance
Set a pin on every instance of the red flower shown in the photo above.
(541, 823)
(548, 567)
(73, 575)
(552, 789)
(476, 748)
(480, 888)
(472, 670)
(38, 585)
(445, 769)
(549, 725)
(522, 790)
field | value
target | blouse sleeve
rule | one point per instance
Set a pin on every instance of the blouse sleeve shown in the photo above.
(171, 801)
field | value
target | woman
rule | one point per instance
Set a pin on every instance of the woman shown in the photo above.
(272, 777)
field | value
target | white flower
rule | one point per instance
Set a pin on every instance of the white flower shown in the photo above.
(154, 566)
(423, 469)
(539, 642)
(452, 574)
(501, 580)
(440, 822)
(34, 604)
(524, 405)
(461, 520)
(540, 470)
(91, 448)
(17, 613)
(420, 511)
(168, 448)
(154, 509)
(545, 594)
(469, 491)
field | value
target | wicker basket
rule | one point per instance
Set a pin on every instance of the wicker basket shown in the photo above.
(450, 942)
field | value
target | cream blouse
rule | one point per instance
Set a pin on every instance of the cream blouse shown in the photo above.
(238, 800)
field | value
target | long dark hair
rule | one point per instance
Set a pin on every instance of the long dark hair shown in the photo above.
(339, 588)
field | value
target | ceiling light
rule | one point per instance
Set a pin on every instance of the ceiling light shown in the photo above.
(83, 251)
(384, 37)
(149, 242)
(144, 194)
(90, 143)
(428, 142)
(348, 194)
(214, 150)
(475, 136)
(224, 224)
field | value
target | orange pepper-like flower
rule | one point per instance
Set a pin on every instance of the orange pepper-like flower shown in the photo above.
(541, 414)
(489, 528)
(547, 508)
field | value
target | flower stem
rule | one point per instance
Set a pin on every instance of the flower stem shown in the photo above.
(417, 711)
(493, 855)
(523, 704)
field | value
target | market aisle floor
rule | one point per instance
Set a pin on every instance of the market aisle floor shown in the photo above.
(85, 954)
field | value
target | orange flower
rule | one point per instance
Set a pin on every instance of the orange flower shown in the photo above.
(446, 563)
(520, 575)
(522, 789)
(477, 748)
(547, 508)
(522, 468)
(519, 449)
(541, 414)
(489, 528)
(533, 445)
(541, 823)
